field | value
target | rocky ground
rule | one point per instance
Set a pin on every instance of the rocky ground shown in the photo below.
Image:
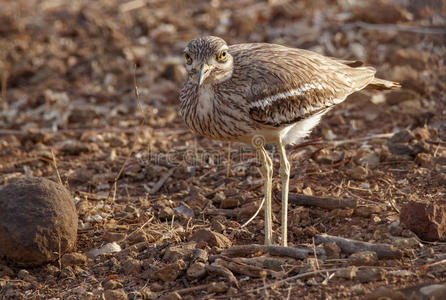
(160, 209)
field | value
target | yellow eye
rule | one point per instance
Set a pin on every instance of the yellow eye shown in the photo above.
(188, 58)
(223, 55)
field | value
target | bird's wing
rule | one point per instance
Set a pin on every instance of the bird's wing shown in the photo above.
(286, 85)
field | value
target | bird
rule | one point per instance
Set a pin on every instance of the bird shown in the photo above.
(261, 93)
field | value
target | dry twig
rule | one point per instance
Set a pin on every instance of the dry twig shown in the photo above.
(223, 271)
(252, 249)
(324, 202)
(349, 246)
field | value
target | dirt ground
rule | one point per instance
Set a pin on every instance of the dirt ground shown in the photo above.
(143, 181)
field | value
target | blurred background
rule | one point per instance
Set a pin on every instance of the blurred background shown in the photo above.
(70, 64)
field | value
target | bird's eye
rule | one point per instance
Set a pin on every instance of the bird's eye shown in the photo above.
(188, 58)
(223, 55)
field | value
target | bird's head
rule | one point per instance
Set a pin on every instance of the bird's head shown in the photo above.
(208, 60)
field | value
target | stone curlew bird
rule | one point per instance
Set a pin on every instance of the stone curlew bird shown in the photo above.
(262, 93)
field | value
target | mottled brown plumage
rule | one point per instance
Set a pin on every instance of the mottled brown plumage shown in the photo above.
(249, 91)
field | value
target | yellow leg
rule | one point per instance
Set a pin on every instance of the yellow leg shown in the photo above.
(267, 172)
(285, 177)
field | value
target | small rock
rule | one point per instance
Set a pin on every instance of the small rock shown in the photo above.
(403, 136)
(115, 295)
(200, 255)
(367, 211)
(132, 266)
(401, 149)
(171, 296)
(184, 252)
(156, 287)
(219, 197)
(370, 160)
(358, 289)
(107, 248)
(37, 220)
(427, 220)
(217, 226)
(231, 202)
(170, 272)
(74, 147)
(358, 173)
(218, 287)
(144, 293)
(110, 236)
(211, 238)
(137, 237)
(425, 160)
(348, 273)
(363, 258)
(22, 274)
(165, 213)
(72, 259)
(405, 243)
(395, 228)
(80, 290)
(368, 275)
(329, 157)
(307, 191)
(184, 211)
(332, 250)
(111, 284)
(197, 270)
(67, 272)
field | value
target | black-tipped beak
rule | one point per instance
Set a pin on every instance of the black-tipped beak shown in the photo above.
(203, 73)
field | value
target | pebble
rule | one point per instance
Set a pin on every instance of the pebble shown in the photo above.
(427, 220)
(404, 243)
(171, 296)
(74, 258)
(358, 173)
(367, 211)
(332, 250)
(211, 238)
(111, 236)
(115, 295)
(196, 270)
(111, 284)
(107, 248)
(348, 273)
(403, 136)
(363, 258)
(132, 266)
(217, 287)
(369, 275)
(171, 271)
(137, 237)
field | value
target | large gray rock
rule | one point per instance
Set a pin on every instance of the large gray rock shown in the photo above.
(35, 214)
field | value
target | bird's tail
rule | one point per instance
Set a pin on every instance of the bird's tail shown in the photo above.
(381, 84)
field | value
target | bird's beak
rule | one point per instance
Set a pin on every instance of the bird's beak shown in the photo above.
(203, 73)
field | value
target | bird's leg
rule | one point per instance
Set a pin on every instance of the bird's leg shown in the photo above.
(267, 172)
(285, 176)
